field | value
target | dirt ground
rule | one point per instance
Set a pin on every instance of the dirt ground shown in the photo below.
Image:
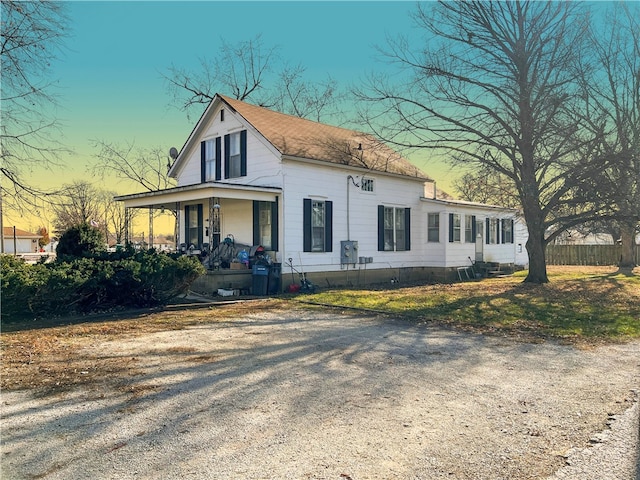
(275, 393)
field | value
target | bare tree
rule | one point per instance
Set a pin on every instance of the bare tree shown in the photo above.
(494, 86)
(318, 101)
(487, 186)
(116, 218)
(249, 71)
(611, 87)
(240, 70)
(147, 168)
(80, 203)
(31, 37)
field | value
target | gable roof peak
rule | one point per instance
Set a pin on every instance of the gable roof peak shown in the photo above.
(299, 137)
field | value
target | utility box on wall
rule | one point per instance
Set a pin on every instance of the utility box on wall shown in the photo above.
(348, 252)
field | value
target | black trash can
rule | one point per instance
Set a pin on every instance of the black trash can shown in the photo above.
(260, 278)
(275, 272)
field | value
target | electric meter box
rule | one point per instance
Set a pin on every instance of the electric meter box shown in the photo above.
(348, 252)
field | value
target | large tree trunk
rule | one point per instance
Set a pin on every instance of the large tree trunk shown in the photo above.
(537, 259)
(627, 259)
(536, 243)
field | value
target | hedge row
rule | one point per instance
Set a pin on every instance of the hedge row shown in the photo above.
(81, 285)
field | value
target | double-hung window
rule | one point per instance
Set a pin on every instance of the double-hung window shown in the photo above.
(492, 230)
(317, 225)
(193, 225)
(469, 228)
(210, 160)
(394, 233)
(454, 227)
(507, 230)
(235, 154)
(433, 227)
(265, 224)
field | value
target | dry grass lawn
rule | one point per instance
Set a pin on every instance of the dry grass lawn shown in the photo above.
(580, 305)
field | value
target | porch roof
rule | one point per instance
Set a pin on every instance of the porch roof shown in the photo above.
(168, 197)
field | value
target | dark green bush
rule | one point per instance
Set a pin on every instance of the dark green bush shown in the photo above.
(81, 285)
(81, 241)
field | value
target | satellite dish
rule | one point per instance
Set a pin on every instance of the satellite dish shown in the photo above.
(173, 152)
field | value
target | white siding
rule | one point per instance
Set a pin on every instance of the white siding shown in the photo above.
(304, 180)
(263, 165)
(521, 236)
(316, 180)
(237, 220)
(459, 254)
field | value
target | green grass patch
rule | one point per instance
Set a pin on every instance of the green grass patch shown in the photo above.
(575, 305)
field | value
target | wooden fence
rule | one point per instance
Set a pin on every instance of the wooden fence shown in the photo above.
(586, 254)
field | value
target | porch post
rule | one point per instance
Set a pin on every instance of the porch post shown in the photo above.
(126, 226)
(216, 227)
(177, 229)
(150, 227)
(211, 223)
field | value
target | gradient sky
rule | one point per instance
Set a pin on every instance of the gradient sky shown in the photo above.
(110, 81)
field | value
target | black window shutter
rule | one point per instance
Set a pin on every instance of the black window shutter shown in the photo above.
(243, 153)
(256, 222)
(226, 156)
(200, 225)
(203, 162)
(328, 226)
(381, 228)
(450, 227)
(306, 225)
(503, 221)
(407, 229)
(274, 225)
(218, 158)
(473, 227)
(488, 231)
(497, 232)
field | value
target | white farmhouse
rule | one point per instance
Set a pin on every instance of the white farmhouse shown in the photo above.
(336, 204)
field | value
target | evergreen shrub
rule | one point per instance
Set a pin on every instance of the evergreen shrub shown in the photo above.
(103, 282)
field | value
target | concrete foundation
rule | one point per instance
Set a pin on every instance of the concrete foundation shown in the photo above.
(241, 280)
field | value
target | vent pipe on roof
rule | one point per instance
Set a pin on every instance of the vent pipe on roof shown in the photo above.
(434, 189)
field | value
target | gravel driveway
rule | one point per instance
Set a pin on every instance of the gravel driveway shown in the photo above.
(327, 395)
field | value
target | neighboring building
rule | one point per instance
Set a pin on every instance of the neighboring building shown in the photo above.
(20, 241)
(160, 242)
(575, 237)
(335, 203)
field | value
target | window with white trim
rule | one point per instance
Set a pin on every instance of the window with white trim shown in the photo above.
(433, 227)
(454, 227)
(234, 156)
(317, 225)
(210, 159)
(393, 229)
(507, 230)
(493, 231)
(469, 228)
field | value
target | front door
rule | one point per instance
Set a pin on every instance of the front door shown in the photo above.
(479, 241)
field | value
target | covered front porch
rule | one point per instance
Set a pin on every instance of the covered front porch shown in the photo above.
(216, 221)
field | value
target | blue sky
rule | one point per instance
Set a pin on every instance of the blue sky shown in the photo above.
(110, 74)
